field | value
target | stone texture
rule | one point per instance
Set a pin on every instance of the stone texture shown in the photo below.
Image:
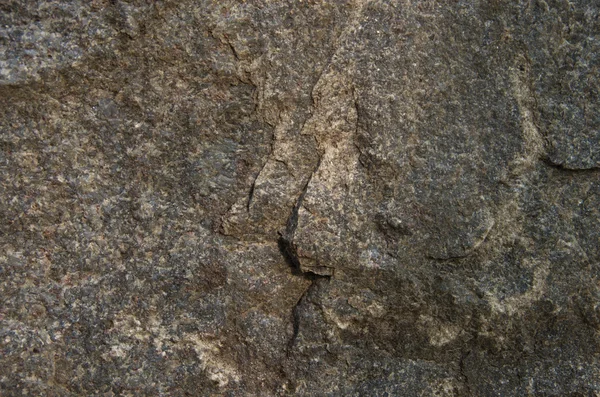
(267, 198)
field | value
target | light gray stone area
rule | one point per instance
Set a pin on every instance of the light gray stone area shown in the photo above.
(304, 198)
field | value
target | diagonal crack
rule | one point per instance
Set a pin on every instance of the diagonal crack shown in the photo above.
(253, 187)
(567, 170)
(296, 318)
(289, 251)
(286, 239)
(296, 309)
(286, 242)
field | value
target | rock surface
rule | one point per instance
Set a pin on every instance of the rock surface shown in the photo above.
(312, 198)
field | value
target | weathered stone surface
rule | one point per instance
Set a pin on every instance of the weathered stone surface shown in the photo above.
(264, 198)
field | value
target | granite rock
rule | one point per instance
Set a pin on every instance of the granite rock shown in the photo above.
(268, 198)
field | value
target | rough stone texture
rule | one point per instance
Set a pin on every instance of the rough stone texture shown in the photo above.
(267, 198)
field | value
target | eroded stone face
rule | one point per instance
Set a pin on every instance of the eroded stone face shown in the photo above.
(563, 40)
(299, 198)
(420, 159)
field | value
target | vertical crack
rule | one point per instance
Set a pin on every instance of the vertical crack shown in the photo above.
(296, 318)
(289, 251)
(286, 239)
(253, 187)
(296, 309)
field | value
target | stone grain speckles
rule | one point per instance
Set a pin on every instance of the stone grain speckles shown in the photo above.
(306, 198)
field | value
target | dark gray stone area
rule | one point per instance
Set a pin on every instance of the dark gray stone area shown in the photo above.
(304, 198)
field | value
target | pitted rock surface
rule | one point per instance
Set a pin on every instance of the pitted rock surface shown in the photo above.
(312, 198)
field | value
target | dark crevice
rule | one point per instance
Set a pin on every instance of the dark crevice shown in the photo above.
(286, 239)
(591, 170)
(253, 187)
(251, 194)
(269, 158)
(233, 50)
(456, 258)
(296, 309)
(289, 252)
(296, 318)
